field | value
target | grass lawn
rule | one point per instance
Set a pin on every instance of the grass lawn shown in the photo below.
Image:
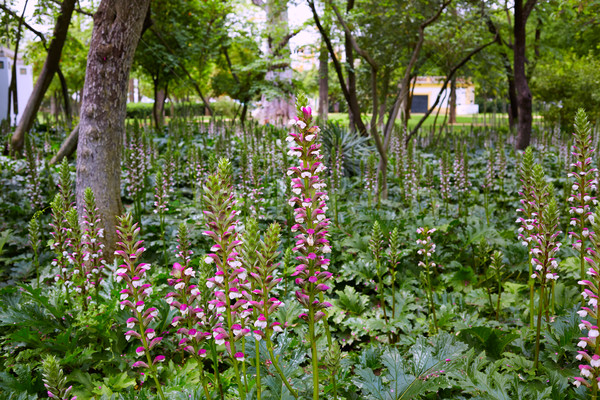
(475, 119)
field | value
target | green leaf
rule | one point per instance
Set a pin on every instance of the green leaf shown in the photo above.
(493, 341)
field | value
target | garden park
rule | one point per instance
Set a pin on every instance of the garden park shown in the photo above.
(321, 199)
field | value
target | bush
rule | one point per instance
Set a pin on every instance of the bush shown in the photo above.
(224, 107)
(144, 110)
(565, 87)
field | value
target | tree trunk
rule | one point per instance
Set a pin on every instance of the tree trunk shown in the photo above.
(117, 30)
(323, 83)
(350, 73)
(43, 82)
(452, 116)
(12, 88)
(68, 147)
(279, 109)
(158, 109)
(524, 98)
(350, 97)
(66, 99)
(131, 91)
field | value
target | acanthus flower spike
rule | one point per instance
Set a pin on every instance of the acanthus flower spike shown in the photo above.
(130, 249)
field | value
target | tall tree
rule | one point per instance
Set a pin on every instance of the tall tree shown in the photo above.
(43, 82)
(117, 29)
(277, 104)
(524, 98)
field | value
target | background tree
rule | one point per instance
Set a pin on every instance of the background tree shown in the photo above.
(49, 69)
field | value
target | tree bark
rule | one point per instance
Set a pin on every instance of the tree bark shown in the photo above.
(158, 109)
(43, 82)
(117, 30)
(12, 88)
(66, 99)
(323, 83)
(350, 98)
(452, 115)
(68, 147)
(524, 98)
(404, 88)
(513, 110)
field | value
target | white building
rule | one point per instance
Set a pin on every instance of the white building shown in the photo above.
(24, 84)
(427, 88)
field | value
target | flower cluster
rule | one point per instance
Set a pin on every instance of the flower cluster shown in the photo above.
(310, 207)
(445, 177)
(135, 294)
(93, 233)
(34, 185)
(590, 348)
(55, 381)
(263, 277)
(426, 250)
(230, 284)
(461, 174)
(427, 247)
(195, 324)
(545, 245)
(527, 209)
(137, 161)
(488, 182)
(585, 182)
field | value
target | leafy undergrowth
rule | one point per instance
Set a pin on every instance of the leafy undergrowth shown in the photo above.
(481, 344)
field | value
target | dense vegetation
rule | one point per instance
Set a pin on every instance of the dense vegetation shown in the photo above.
(180, 222)
(429, 294)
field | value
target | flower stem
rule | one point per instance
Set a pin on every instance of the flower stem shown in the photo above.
(538, 328)
(258, 383)
(314, 353)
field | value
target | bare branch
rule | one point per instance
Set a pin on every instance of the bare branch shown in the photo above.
(360, 51)
(448, 78)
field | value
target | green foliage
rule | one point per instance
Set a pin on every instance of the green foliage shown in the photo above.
(424, 371)
(564, 87)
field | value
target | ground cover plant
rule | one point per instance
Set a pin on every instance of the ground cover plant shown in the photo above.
(258, 263)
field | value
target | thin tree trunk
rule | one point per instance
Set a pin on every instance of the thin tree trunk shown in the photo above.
(43, 82)
(445, 84)
(66, 100)
(350, 97)
(117, 30)
(12, 88)
(404, 86)
(68, 147)
(452, 116)
(352, 117)
(323, 83)
(524, 98)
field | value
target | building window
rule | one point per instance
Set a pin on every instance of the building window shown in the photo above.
(23, 71)
(1, 64)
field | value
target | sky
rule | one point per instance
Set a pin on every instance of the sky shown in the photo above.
(298, 14)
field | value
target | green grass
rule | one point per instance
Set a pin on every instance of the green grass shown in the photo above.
(476, 119)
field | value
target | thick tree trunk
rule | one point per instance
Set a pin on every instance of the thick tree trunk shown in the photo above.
(323, 83)
(452, 115)
(43, 82)
(524, 98)
(117, 30)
